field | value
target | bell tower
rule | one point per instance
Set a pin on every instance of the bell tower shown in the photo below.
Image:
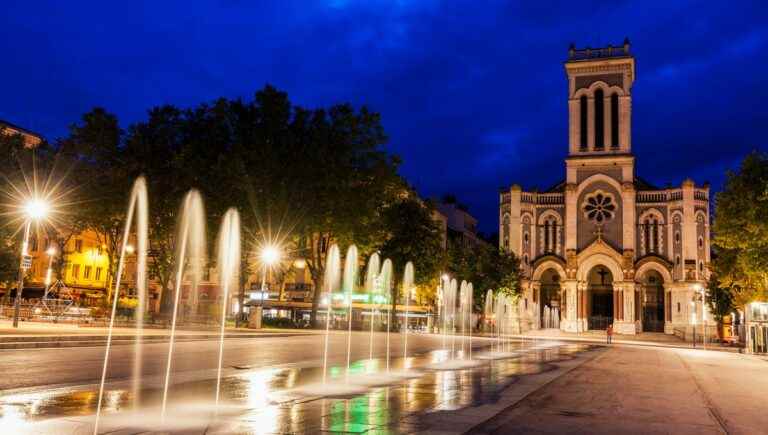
(600, 100)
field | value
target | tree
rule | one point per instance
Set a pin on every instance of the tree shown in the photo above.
(411, 235)
(741, 230)
(96, 145)
(310, 177)
(719, 300)
(487, 267)
(9, 261)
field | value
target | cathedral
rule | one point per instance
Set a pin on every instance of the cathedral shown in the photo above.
(603, 246)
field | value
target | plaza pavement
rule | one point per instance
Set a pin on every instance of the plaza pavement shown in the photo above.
(620, 388)
(645, 390)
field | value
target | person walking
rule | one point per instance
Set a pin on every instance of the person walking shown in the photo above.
(609, 334)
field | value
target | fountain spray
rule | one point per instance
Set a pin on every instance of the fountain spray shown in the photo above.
(137, 205)
(229, 269)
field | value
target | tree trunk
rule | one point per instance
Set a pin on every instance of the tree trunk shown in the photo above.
(720, 330)
(316, 301)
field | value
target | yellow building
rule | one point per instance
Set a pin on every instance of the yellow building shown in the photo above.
(85, 264)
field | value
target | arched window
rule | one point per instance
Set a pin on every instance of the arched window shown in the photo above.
(583, 123)
(599, 120)
(549, 235)
(615, 120)
(646, 237)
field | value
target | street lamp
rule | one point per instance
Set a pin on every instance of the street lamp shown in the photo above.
(34, 210)
(693, 319)
(269, 256)
(51, 253)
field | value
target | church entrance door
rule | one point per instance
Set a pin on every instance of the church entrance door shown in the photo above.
(600, 288)
(551, 302)
(653, 302)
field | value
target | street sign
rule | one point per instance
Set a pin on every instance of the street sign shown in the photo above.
(26, 262)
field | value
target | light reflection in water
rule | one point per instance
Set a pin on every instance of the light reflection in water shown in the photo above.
(267, 409)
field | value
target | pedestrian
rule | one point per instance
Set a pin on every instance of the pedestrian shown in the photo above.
(609, 334)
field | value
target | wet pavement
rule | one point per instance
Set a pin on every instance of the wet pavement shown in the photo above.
(269, 400)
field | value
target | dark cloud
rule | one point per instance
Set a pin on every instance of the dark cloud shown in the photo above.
(472, 93)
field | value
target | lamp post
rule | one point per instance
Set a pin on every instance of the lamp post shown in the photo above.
(269, 256)
(34, 210)
(51, 253)
(693, 319)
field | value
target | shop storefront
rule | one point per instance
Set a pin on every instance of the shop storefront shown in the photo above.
(757, 327)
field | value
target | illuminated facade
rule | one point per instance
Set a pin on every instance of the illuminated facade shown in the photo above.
(31, 139)
(603, 246)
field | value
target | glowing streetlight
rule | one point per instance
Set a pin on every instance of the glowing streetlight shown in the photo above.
(34, 209)
(269, 256)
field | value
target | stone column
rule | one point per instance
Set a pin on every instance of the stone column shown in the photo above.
(625, 123)
(571, 321)
(591, 123)
(624, 301)
(571, 214)
(583, 307)
(689, 223)
(574, 125)
(607, 122)
(515, 227)
(669, 309)
(628, 210)
(536, 295)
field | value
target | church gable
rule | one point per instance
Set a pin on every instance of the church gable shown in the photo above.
(599, 213)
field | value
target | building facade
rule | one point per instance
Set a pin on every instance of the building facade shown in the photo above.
(460, 226)
(603, 246)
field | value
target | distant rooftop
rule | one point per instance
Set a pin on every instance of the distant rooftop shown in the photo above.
(577, 54)
(31, 138)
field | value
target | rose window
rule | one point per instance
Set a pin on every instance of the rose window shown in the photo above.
(599, 207)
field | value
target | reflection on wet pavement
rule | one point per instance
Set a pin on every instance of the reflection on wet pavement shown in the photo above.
(268, 404)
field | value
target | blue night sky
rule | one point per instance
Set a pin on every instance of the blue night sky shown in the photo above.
(472, 93)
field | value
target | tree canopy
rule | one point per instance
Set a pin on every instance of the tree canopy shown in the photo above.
(741, 230)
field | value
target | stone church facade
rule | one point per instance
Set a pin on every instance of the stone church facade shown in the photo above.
(603, 246)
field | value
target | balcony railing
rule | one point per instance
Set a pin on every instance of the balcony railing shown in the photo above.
(550, 198)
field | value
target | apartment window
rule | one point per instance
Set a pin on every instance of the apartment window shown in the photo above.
(76, 271)
(98, 274)
(87, 272)
(79, 246)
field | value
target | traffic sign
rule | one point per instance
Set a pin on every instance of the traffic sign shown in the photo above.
(26, 262)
